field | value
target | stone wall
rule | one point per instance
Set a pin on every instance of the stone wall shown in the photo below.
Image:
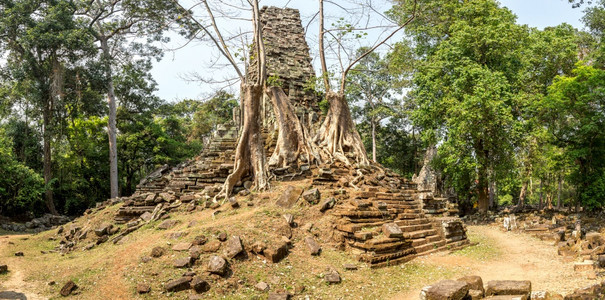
(288, 58)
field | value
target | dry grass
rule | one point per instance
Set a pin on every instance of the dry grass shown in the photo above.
(112, 271)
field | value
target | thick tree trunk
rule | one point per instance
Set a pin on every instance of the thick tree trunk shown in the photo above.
(337, 136)
(482, 193)
(250, 153)
(111, 124)
(522, 194)
(48, 195)
(373, 140)
(292, 139)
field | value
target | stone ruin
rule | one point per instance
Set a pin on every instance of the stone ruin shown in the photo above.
(381, 217)
(429, 180)
(472, 288)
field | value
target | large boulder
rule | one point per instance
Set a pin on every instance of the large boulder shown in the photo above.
(445, 290)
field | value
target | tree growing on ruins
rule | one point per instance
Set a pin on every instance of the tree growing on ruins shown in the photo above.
(250, 153)
(337, 137)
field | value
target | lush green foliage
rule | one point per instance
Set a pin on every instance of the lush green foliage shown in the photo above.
(21, 188)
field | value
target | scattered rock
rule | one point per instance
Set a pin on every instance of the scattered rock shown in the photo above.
(19, 253)
(327, 204)
(350, 267)
(103, 229)
(184, 262)
(279, 296)
(391, 230)
(89, 246)
(312, 196)
(508, 287)
(234, 247)
(3, 269)
(199, 240)
(277, 252)
(199, 285)
(167, 224)
(143, 288)
(157, 251)
(262, 286)
(195, 252)
(332, 277)
(289, 196)
(313, 246)
(179, 284)
(217, 265)
(211, 246)
(445, 289)
(222, 237)
(68, 288)
(145, 259)
(184, 246)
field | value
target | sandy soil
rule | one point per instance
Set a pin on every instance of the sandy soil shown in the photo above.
(522, 257)
(15, 286)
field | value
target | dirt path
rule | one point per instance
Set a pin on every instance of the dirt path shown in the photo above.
(15, 286)
(521, 257)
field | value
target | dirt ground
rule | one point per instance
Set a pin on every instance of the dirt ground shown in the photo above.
(507, 255)
(13, 285)
(521, 257)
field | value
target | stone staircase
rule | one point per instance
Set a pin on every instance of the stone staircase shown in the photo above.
(364, 217)
(201, 177)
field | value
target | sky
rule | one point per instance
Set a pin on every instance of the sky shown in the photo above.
(173, 72)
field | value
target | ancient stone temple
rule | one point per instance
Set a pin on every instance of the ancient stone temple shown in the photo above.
(376, 214)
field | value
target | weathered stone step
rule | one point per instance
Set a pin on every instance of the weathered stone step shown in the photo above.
(412, 228)
(373, 259)
(419, 234)
(417, 221)
(423, 249)
(393, 262)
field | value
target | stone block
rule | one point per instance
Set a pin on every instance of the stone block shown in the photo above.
(445, 290)
(508, 287)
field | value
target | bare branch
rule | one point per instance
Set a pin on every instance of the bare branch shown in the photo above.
(344, 75)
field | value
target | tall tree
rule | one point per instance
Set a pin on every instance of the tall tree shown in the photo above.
(113, 23)
(465, 89)
(42, 39)
(369, 90)
(337, 137)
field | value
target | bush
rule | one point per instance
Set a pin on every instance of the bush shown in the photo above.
(505, 200)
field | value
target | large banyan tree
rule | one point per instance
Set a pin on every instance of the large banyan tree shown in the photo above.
(297, 142)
